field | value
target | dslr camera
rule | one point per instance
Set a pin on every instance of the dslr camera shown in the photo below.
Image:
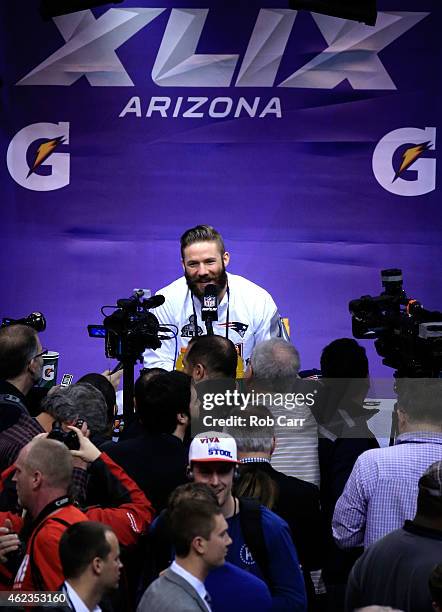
(69, 438)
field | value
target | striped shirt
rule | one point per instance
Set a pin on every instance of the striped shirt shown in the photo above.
(381, 493)
(14, 438)
(296, 451)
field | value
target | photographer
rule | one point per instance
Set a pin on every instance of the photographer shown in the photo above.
(62, 406)
(128, 512)
(43, 477)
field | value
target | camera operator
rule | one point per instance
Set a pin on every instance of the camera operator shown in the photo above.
(21, 366)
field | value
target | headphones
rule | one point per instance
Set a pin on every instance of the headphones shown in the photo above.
(191, 477)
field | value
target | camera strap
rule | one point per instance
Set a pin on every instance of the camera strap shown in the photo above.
(54, 505)
(37, 576)
(32, 528)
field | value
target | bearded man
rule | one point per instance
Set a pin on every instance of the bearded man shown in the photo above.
(247, 314)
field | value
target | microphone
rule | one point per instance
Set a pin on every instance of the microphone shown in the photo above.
(36, 320)
(134, 299)
(209, 307)
(154, 301)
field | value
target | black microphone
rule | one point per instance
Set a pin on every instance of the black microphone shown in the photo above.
(36, 320)
(134, 299)
(209, 307)
(154, 301)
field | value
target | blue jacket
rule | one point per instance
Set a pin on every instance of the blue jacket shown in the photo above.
(288, 590)
(235, 590)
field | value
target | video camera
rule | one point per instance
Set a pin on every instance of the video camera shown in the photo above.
(131, 328)
(408, 337)
(128, 332)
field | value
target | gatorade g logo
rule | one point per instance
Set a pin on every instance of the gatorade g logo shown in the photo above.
(404, 163)
(33, 159)
(48, 372)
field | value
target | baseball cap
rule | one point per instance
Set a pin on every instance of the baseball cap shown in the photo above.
(213, 446)
(431, 480)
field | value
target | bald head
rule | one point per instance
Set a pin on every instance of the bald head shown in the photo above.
(51, 459)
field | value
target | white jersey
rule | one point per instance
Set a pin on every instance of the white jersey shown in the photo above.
(247, 315)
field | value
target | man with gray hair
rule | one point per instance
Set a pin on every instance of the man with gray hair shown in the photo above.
(65, 406)
(273, 373)
(276, 363)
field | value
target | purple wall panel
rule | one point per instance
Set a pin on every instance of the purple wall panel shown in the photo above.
(293, 192)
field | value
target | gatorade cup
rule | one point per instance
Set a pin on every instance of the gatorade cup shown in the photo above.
(50, 366)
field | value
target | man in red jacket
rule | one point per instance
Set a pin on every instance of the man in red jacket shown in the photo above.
(43, 475)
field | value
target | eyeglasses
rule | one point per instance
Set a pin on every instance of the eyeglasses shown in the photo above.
(45, 352)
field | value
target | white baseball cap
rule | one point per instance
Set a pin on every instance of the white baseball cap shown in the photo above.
(213, 446)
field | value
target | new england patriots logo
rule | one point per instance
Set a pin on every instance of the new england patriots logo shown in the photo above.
(240, 328)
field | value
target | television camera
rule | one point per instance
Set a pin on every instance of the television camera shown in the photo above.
(407, 336)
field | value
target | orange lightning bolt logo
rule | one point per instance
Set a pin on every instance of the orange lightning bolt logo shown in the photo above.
(410, 156)
(44, 151)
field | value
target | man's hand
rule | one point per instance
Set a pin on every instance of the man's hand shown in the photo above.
(87, 452)
(115, 379)
(8, 541)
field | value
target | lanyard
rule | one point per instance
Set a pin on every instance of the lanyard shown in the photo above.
(54, 505)
(195, 322)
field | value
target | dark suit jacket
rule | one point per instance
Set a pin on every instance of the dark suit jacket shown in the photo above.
(336, 460)
(171, 593)
(157, 463)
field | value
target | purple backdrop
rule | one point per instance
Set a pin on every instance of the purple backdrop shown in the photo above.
(309, 142)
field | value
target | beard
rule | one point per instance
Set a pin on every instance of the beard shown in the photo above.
(220, 282)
